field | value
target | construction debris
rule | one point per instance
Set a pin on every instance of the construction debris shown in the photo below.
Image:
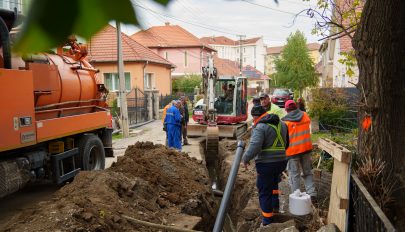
(150, 183)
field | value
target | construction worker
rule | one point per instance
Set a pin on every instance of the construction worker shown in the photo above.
(173, 125)
(299, 151)
(270, 107)
(185, 120)
(164, 116)
(267, 147)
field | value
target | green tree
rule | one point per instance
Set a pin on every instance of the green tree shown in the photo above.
(295, 68)
(187, 83)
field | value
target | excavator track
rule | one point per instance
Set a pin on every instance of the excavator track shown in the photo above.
(212, 143)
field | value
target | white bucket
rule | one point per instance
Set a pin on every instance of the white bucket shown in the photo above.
(300, 203)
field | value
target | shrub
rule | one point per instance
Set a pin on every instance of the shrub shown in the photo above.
(187, 83)
(332, 108)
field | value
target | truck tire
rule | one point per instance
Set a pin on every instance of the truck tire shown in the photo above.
(91, 153)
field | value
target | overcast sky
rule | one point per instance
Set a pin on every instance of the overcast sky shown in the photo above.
(229, 18)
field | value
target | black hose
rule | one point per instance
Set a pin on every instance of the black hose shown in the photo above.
(219, 222)
(5, 42)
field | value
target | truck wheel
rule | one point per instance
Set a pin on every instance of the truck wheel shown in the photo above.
(91, 153)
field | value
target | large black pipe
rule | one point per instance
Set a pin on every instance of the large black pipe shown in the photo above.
(219, 221)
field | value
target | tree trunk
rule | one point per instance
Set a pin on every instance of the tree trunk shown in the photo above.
(380, 52)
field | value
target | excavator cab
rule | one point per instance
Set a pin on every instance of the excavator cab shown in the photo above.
(230, 108)
(230, 101)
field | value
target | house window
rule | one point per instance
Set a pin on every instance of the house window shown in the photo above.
(166, 55)
(185, 59)
(244, 50)
(149, 81)
(112, 81)
(244, 59)
(237, 50)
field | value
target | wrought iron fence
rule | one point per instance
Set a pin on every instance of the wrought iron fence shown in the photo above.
(137, 107)
(364, 213)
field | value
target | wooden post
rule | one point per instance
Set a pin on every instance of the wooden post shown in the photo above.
(339, 192)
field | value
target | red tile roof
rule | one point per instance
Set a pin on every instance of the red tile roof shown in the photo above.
(274, 50)
(251, 40)
(167, 36)
(313, 46)
(253, 74)
(220, 40)
(103, 48)
(226, 67)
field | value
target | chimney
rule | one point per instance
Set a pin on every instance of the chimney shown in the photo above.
(167, 23)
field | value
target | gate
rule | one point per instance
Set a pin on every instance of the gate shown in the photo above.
(137, 106)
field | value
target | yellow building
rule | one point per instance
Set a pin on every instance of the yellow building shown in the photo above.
(275, 52)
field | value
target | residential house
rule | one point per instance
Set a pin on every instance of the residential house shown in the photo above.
(253, 50)
(257, 81)
(334, 73)
(272, 53)
(143, 68)
(334, 49)
(177, 45)
(225, 67)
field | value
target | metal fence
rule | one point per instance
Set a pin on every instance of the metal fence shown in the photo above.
(166, 99)
(137, 106)
(364, 213)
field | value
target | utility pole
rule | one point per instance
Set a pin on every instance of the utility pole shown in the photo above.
(241, 37)
(122, 90)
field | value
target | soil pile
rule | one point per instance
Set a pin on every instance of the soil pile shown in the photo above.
(150, 183)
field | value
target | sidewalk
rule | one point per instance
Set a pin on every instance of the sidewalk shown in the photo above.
(152, 132)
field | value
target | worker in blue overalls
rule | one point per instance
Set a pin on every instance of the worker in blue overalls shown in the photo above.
(173, 123)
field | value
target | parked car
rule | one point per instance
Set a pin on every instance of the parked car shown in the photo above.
(280, 96)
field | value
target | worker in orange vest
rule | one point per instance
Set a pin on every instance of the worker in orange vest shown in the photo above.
(299, 151)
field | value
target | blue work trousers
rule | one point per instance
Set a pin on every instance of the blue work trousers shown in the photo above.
(174, 136)
(268, 177)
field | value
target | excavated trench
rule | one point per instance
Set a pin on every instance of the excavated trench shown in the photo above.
(243, 212)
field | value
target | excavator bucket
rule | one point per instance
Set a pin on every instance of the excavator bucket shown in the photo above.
(224, 131)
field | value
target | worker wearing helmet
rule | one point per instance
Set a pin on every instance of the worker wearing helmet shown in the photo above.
(173, 125)
(267, 147)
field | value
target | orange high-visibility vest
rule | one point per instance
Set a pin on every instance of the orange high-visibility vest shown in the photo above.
(164, 112)
(300, 136)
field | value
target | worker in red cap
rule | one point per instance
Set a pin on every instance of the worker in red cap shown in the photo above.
(267, 147)
(299, 151)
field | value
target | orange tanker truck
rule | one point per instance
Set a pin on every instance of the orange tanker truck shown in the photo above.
(54, 121)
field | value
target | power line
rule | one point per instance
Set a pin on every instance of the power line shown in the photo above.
(281, 11)
(208, 27)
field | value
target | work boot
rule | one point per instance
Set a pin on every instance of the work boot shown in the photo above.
(185, 143)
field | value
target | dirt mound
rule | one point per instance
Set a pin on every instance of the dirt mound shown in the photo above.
(150, 183)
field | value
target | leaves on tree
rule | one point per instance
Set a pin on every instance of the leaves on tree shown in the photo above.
(50, 22)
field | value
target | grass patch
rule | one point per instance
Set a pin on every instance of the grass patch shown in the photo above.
(117, 136)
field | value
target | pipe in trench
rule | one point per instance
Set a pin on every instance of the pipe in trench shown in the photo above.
(219, 221)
